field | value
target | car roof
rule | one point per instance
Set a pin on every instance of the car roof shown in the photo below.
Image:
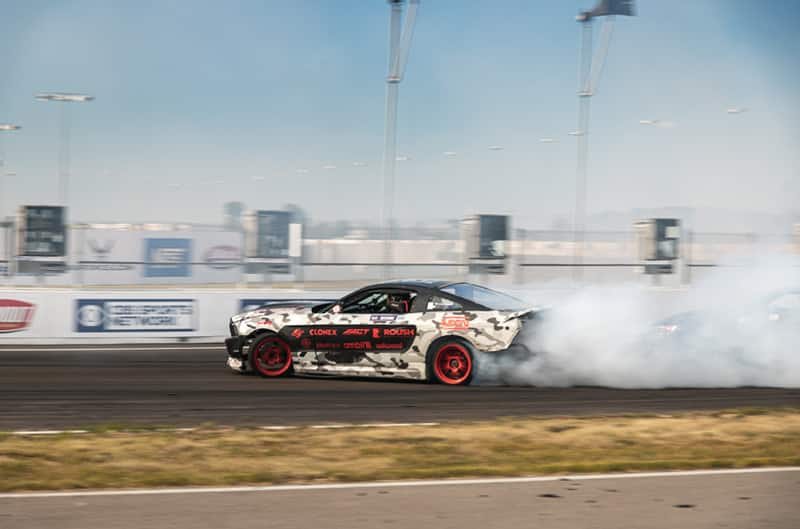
(414, 283)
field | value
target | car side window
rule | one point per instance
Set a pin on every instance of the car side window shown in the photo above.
(442, 304)
(369, 303)
(380, 302)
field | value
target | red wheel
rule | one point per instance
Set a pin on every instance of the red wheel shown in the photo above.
(270, 355)
(452, 363)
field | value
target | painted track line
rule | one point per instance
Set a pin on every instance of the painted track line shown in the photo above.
(394, 484)
(277, 427)
(46, 432)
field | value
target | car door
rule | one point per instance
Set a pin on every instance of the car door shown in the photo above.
(365, 335)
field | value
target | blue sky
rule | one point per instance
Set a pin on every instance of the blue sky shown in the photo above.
(203, 102)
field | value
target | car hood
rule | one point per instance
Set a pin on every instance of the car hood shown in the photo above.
(294, 305)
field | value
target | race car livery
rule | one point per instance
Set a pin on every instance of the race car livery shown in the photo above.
(409, 329)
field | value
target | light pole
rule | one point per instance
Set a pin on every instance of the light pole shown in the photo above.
(399, 46)
(4, 127)
(588, 76)
(64, 132)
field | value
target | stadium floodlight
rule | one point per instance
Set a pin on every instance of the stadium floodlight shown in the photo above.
(496, 147)
(5, 127)
(547, 140)
(736, 110)
(399, 47)
(590, 68)
(64, 122)
(449, 153)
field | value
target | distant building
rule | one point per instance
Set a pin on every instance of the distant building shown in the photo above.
(232, 212)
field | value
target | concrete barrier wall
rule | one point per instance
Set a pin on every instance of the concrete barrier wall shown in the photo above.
(120, 316)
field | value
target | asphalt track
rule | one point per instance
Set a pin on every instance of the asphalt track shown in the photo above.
(741, 500)
(47, 387)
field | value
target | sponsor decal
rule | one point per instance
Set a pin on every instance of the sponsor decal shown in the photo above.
(355, 332)
(167, 257)
(403, 331)
(383, 318)
(15, 315)
(135, 315)
(457, 323)
(222, 257)
(305, 343)
(323, 332)
(364, 338)
(357, 345)
(101, 250)
(297, 333)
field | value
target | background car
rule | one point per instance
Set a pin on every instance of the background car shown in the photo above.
(770, 322)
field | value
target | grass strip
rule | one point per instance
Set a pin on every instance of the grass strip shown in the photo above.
(120, 457)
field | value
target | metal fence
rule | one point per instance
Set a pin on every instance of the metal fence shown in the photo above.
(110, 257)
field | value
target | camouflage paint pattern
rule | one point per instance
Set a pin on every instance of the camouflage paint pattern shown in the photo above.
(487, 331)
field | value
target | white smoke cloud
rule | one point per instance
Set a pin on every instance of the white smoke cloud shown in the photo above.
(605, 335)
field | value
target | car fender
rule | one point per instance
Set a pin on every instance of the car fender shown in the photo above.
(486, 331)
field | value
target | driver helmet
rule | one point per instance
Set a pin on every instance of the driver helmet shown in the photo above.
(397, 303)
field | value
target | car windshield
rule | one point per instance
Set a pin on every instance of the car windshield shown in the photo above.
(485, 296)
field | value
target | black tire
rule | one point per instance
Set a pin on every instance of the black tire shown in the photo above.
(270, 356)
(450, 361)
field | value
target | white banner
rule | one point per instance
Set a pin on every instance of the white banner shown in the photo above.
(128, 315)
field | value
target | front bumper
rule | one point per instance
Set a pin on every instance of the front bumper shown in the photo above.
(235, 346)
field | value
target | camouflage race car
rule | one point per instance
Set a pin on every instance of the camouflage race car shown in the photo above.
(425, 330)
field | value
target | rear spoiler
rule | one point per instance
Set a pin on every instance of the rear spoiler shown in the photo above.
(529, 312)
